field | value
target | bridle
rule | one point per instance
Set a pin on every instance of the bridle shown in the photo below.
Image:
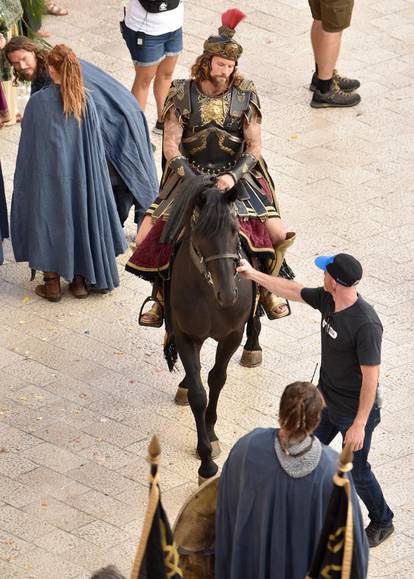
(200, 261)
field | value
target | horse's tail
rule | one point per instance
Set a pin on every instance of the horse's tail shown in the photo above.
(170, 351)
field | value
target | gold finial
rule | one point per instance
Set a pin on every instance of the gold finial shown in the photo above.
(345, 459)
(154, 450)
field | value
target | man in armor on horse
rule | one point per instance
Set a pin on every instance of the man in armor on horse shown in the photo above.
(212, 128)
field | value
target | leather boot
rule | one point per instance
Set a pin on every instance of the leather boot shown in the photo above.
(155, 315)
(77, 287)
(274, 306)
(50, 290)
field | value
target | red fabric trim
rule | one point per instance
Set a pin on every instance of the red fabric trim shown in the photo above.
(152, 255)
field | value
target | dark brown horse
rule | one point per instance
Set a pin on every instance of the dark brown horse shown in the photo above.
(206, 299)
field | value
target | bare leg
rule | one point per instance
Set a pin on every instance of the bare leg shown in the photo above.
(142, 81)
(162, 82)
(326, 47)
(277, 230)
(144, 229)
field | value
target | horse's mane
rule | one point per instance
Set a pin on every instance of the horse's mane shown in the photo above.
(212, 205)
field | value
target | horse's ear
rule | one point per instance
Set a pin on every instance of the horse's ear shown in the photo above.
(230, 195)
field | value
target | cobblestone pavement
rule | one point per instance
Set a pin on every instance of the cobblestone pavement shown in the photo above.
(83, 387)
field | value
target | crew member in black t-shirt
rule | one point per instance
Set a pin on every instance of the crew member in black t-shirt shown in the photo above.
(351, 334)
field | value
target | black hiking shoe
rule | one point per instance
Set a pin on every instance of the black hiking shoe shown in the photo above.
(345, 84)
(335, 97)
(376, 534)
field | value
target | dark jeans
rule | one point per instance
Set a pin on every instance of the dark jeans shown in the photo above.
(366, 484)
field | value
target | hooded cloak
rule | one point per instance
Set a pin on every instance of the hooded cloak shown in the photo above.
(63, 216)
(268, 523)
(124, 131)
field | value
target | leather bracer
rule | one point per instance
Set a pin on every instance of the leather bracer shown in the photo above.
(181, 166)
(243, 166)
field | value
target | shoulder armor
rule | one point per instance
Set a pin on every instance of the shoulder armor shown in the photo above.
(179, 97)
(247, 86)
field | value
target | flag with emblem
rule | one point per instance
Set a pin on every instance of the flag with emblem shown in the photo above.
(156, 556)
(342, 548)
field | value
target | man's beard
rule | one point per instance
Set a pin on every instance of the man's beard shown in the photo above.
(26, 76)
(219, 82)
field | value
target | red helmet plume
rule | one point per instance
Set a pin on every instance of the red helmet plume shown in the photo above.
(232, 17)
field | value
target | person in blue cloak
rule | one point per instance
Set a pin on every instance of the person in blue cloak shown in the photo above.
(273, 496)
(4, 225)
(63, 217)
(123, 125)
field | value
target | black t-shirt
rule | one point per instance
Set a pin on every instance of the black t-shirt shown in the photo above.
(350, 339)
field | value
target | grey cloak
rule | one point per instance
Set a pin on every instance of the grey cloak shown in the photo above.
(63, 215)
(4, 226)
(124, 131)
(268, 523)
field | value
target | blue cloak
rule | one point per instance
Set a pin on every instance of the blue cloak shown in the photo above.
(268, 523)
(4, 226)
(63, 216)
(124, 131)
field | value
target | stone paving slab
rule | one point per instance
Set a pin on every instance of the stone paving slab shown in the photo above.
(83, 388)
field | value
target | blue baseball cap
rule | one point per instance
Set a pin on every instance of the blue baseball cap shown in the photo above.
(345, 269)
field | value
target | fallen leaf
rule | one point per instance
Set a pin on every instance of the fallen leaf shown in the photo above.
(294, 137)
(26, 299)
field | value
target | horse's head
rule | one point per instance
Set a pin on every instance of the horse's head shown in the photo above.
(214, 241)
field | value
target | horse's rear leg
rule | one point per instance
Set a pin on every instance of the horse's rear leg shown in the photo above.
(216, 380)
(189, 351)
(252, 352)
(181, 396)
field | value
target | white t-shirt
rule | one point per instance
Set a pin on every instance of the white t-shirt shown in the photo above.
(153, 23)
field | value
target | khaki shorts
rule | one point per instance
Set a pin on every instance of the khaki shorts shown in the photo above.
(334, 14)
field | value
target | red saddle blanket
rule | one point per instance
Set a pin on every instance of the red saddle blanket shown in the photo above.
(152, 256)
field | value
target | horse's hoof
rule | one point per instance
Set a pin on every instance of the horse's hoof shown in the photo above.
(202, 480)
(251, 358)
(181, 396)
(215, 450)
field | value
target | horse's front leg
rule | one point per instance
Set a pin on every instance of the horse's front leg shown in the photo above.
(189, 350)
(216, 380)
(252, 351)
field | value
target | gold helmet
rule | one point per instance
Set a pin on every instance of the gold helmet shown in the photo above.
(223, 43)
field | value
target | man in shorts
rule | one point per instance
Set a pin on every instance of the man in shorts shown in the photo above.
(330, 18)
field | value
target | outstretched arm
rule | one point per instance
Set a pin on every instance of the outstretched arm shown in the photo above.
(285, 288)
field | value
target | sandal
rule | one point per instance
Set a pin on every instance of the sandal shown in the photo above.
(56, 10)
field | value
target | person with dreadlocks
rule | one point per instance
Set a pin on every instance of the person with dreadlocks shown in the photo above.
(212, 127)
(273, 495)
(63, 218)
(122, 124)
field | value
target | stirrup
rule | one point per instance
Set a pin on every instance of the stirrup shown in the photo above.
(155, 324)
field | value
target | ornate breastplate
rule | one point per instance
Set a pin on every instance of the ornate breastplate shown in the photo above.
(213, 132)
